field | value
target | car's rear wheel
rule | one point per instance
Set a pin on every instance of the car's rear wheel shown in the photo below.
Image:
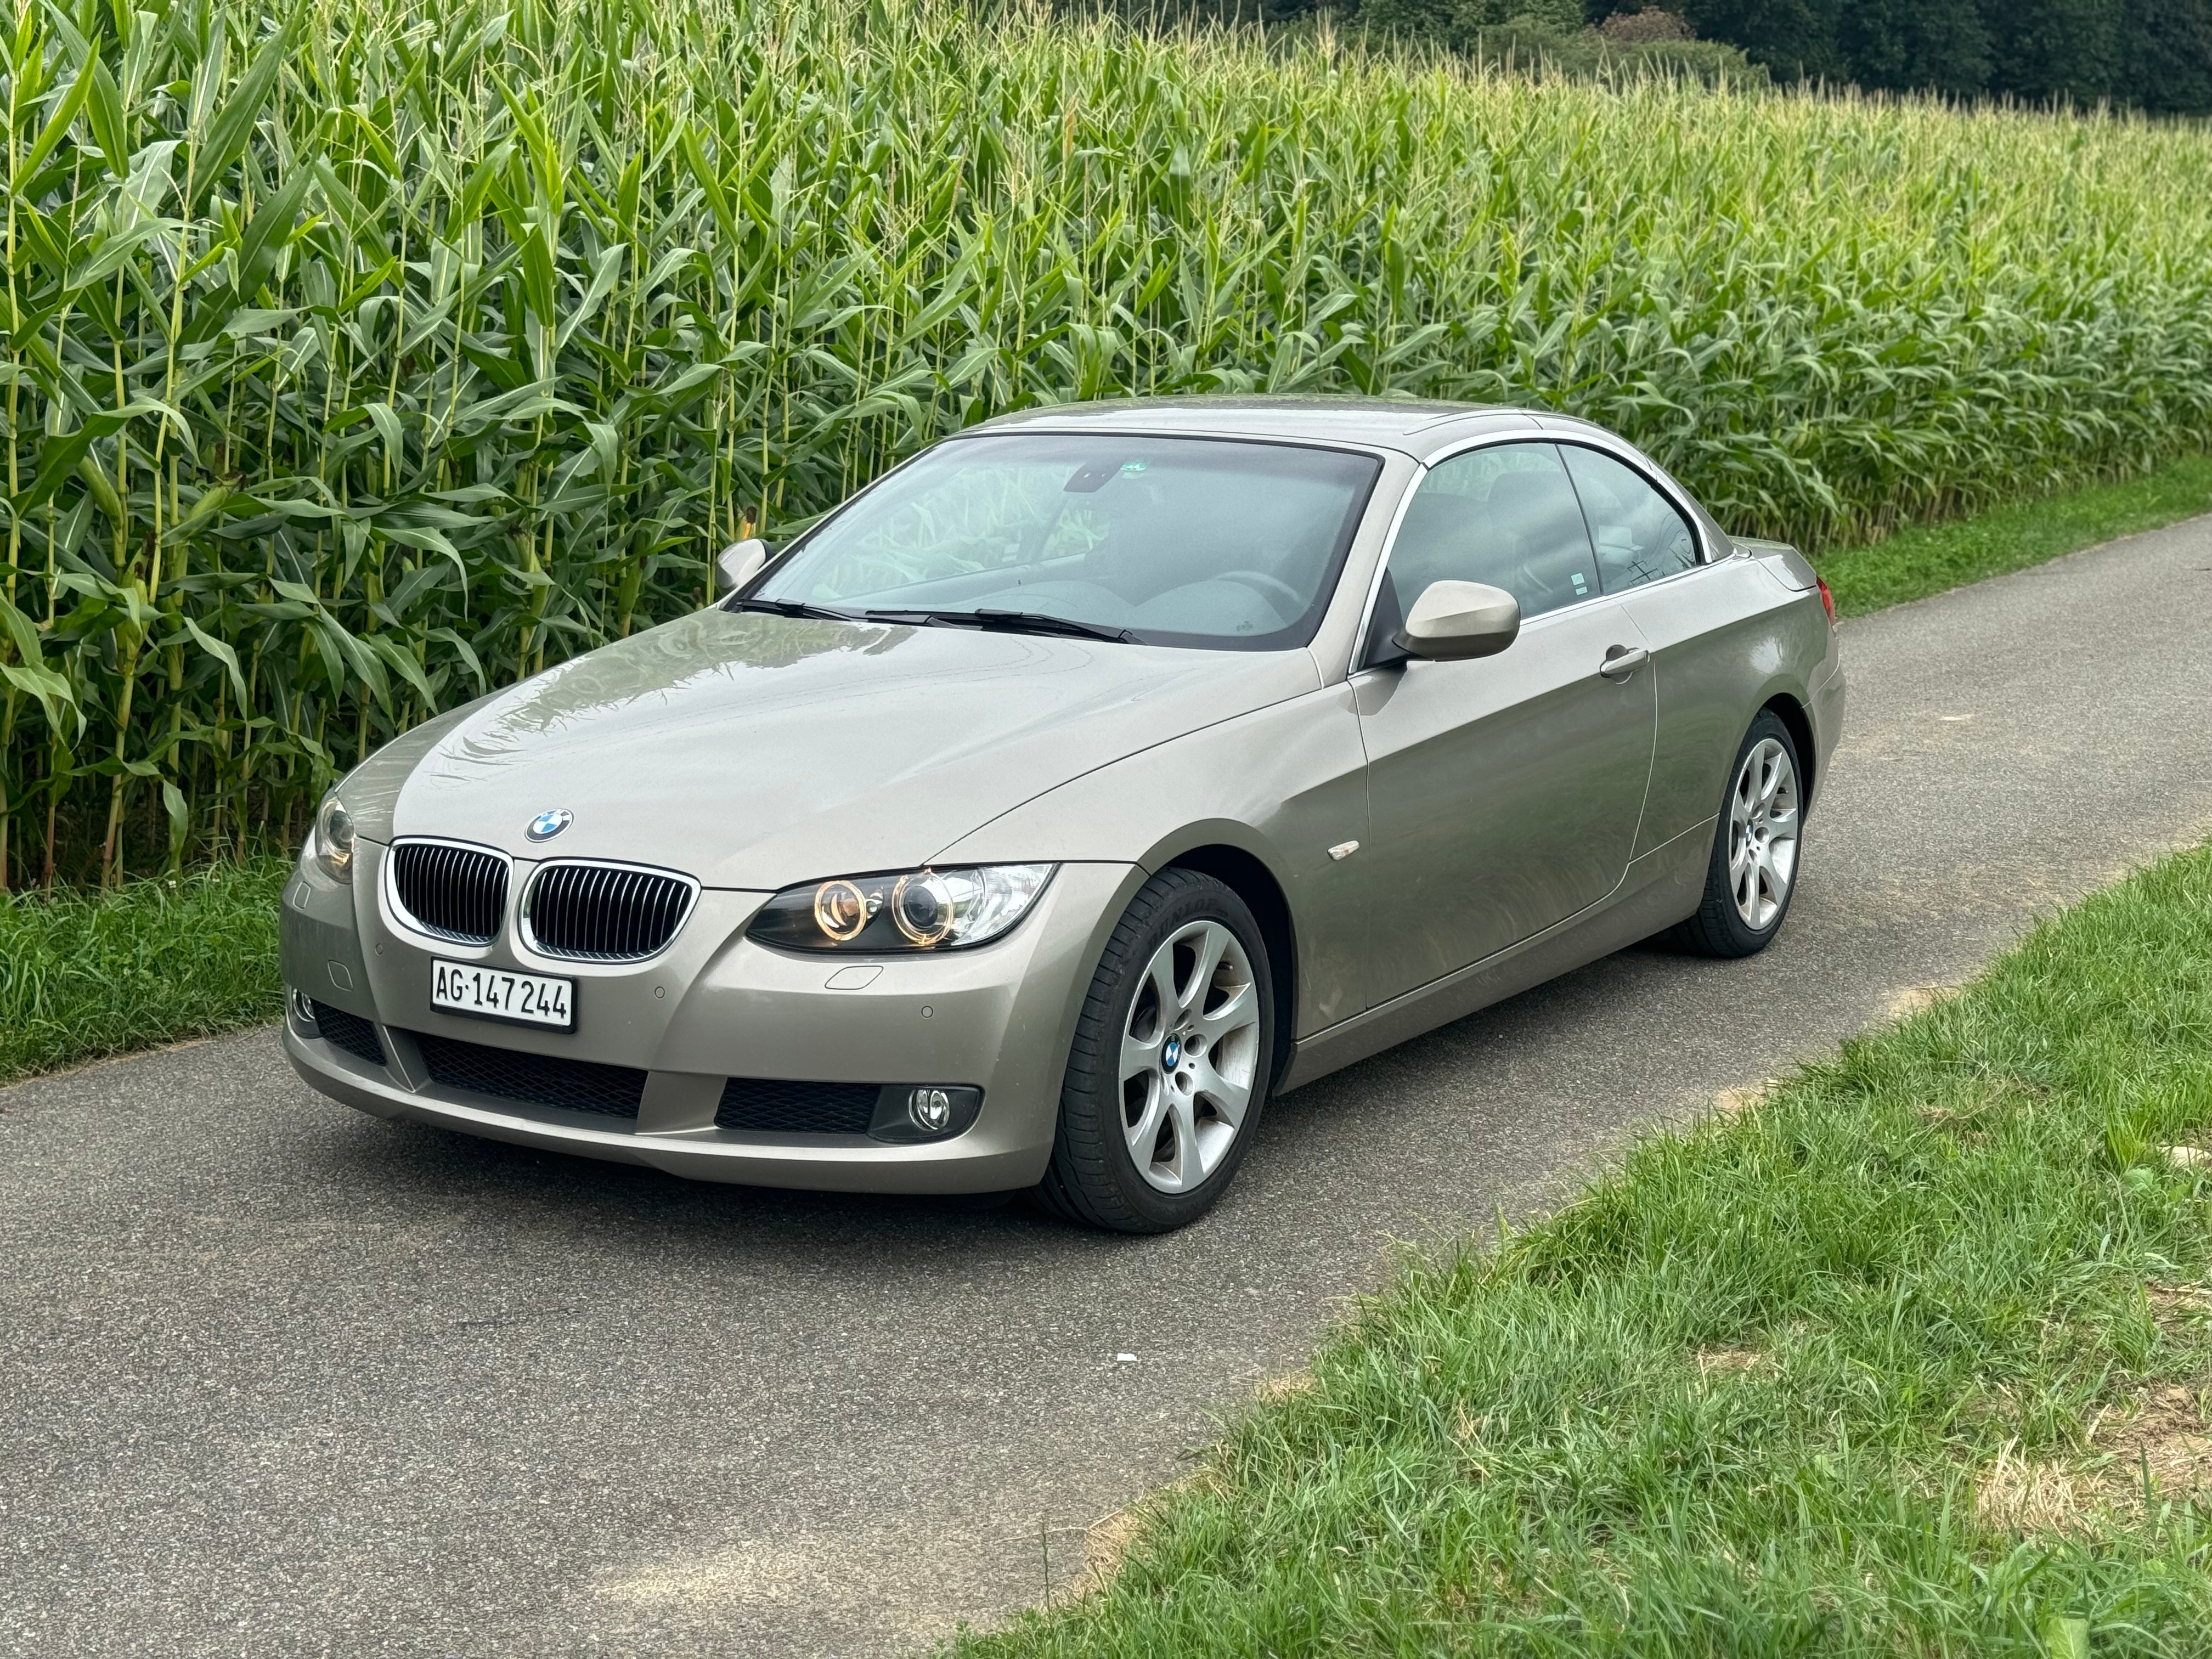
(1753, 872)
(1171, 1062)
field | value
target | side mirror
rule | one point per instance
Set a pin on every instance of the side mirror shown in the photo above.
(740, 562)
(1454, 620)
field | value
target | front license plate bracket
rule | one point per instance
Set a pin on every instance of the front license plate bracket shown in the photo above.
(476, 990)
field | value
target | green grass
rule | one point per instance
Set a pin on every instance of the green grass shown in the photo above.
(1907, 1358)
(1931, 559)
(83, 976)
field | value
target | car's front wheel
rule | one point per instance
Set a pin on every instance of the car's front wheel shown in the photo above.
(1171, 1061)
(1753, 872)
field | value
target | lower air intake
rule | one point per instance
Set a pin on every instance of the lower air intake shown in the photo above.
(351, 1032)
(574, 1085)
(765, 1105)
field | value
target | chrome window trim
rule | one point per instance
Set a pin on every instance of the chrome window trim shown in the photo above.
(1618, 448)
(388, 890)
(528, 938)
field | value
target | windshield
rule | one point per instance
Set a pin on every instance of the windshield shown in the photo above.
(1177, 541)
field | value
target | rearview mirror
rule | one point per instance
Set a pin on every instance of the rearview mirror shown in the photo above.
(740, 562)
(1454, 620)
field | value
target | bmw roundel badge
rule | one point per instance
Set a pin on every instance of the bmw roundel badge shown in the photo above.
(546, 825)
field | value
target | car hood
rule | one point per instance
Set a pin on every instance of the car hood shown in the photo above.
(758, 752)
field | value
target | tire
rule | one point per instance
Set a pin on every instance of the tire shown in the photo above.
(1746, 899)
(1182, 1106)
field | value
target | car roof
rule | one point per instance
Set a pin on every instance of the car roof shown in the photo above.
(1419, 429)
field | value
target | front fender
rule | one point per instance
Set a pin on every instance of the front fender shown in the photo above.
(1285, 784)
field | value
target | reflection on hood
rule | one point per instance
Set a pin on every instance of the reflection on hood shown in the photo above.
(757, 751)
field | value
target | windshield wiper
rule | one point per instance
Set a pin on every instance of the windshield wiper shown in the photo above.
(1008, 622)
(795, 608)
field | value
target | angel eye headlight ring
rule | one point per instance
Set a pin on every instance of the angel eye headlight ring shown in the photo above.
(902, 912)
(841, 911)
(922, 908)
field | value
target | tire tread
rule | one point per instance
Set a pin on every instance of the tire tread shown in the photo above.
(1079, 1184)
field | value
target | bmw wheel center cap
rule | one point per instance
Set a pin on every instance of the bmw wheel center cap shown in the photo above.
(1173, 1053)
(546, 825)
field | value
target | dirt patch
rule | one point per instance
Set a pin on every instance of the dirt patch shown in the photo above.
(1733, 1362)
(2168, 1437)
(2177, 1302)
(1105, 1543)
(1903, 1003)
(1734, 1103)
(2161, 1451)
(2022, 1495)
(1290, 1387)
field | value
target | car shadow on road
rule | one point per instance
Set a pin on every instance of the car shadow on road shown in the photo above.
(1419, 1141)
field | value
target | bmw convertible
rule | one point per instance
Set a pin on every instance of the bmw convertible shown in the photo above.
(1082, 784)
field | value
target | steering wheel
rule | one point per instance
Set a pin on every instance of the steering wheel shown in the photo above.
(1268, 585)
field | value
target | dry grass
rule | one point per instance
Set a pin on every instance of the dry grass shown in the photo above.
(1105, 1542)
(1727, 1361)
(1731, 1103)
(2157, 1451)
(1912, 999)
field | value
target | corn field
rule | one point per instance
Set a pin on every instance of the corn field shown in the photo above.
(361, 359)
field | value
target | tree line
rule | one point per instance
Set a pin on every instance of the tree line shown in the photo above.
(2152, 55)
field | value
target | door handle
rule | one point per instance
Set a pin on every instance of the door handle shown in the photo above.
(1623, 660)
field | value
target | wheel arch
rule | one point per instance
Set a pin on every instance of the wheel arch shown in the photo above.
(1247, 875)
(1785, 707)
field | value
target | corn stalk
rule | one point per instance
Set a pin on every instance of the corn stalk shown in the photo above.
(360, 360)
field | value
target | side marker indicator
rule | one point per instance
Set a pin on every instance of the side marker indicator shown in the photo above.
(1343, 850)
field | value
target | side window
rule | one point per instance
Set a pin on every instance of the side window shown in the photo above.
(1639, 536)
(1506, 515)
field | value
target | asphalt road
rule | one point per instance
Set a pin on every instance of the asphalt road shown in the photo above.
(276, 1378)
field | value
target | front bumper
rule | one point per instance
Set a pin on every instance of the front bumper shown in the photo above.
(716, 1006)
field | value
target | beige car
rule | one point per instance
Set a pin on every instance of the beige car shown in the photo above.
(1074, 789)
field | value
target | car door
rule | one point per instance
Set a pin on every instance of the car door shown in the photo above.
(1707, 628)
(1504, 793)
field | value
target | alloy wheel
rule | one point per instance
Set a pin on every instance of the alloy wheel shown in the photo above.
(1763, 820)
(1190, 1051)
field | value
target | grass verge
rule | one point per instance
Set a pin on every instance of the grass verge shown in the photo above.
(1934, 558)
(86, 974)
(1909, 1357)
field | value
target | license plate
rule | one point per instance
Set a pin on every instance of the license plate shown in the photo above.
(461, 987)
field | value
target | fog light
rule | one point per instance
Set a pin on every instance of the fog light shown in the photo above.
(303, 1010)
(931, 1110)
(908, 1112)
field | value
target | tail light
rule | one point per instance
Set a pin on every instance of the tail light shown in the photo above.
(1827, 601)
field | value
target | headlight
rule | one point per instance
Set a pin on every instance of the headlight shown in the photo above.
(332, 847)
(902, 910)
